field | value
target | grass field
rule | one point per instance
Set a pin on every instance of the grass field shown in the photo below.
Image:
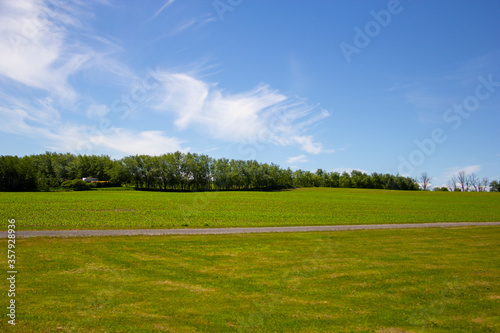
(310, 206)
(427, 280)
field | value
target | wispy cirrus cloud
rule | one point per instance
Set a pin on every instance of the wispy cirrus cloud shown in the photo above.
(349, 170)
(96, 111)
(296, 159)
(161, 9)
(453, 171)
(45, 44)
(39, 120)
(260, 114)
(125, 141)
(196, 22)
(35, 47)
(39, 54)
(183, 19)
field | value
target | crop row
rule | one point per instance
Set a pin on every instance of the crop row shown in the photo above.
(312, 206)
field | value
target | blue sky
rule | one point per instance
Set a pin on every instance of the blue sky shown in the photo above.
(379, 86)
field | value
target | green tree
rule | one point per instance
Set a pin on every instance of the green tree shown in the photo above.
(494, 186)
(345, 180)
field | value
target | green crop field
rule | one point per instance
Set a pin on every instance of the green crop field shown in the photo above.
(309, 206)
(420, 280)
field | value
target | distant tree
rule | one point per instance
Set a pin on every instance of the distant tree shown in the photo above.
(473, 182)
(177, 171)
(319, 178)
(452, 184)
(345, 180)
(424, 181)
(17, 174)
(484, 184)
(494, 186)
(462, 180)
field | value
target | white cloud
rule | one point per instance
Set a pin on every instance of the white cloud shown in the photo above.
(131, 142)
(258, 115)
(349, 170)
(96, 111)
(296, 159)
(40, 122)
(184, 20)
(44, 43)
(17, 114)
(453, 172)
(194, 23)
(16, 121)
(307, 144)
(117, 142)
(162, 8)
(35, 48)
(42, 46)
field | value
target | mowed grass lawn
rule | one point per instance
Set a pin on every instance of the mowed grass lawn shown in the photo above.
(421, 280)
(309, 206)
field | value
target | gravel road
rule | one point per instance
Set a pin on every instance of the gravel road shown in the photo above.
(217, 231)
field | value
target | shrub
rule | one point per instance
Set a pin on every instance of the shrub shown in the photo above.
(442, 189)
(76, 185)
(100, 184)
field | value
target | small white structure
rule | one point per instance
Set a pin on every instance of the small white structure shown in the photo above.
(90, 180)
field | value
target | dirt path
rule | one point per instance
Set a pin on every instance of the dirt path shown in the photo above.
(216, 231)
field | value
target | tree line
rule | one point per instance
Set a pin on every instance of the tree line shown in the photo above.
(177, 171)
(464, 182)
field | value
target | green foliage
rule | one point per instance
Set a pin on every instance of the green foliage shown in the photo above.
(442, 189)
(494, 186)
(178, 171)
(48, 171)
(76, 185)
(17, 174)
